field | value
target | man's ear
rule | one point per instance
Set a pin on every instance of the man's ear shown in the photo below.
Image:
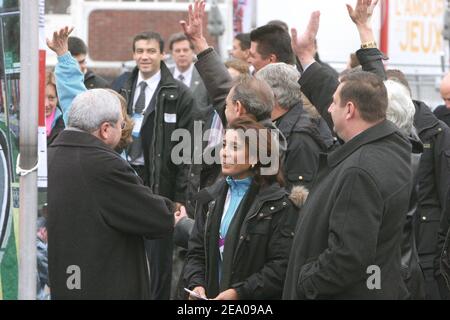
(351, 110)
(103, 131)
(273, 58)
(240, 109)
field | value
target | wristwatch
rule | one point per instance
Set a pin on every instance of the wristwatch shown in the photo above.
(369, 45)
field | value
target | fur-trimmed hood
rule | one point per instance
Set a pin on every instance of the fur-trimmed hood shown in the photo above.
(298, 196)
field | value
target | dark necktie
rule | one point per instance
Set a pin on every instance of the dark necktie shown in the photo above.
(181, 78)
(140, 103)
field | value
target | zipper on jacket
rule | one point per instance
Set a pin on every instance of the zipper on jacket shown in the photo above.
(153, 145)
(205, 236)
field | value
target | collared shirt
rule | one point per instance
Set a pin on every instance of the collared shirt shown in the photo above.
(152, 84)
(187, 75)
(216, 134)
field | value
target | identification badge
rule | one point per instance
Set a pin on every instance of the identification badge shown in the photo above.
(138, 119)
(170, 117)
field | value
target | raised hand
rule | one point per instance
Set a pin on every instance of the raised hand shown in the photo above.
(304, 44)
(362, 14)
(362, 18)
(193, 29)
(59, 42)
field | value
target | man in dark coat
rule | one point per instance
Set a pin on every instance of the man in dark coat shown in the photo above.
(98, 209)
(159, 105)
(347, 241)
(443, 112)
(432, 217)
(304, 143)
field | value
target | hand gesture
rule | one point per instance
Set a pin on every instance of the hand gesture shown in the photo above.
(59, 42)
(304, 45)
(200, 291)
(180, 214)
(194, 28)
(362, 14)
(230, 294)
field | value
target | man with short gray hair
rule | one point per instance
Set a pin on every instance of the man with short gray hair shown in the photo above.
(249, 96)
(99, 211)
(304, 142)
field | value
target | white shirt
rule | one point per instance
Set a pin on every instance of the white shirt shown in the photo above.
(152, 84)
(187, 75)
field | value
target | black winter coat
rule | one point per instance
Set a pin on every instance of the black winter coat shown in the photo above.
(93, 81)
(172, 98)
(434, 184)
(445, 262)
(304, 144)
(56, 130)
(98, 215)
(257, 244)
(433, 213)
(353, 220)
(333, 265)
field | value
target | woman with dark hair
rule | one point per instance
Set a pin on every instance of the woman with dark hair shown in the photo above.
(53, 115)
(241, 240)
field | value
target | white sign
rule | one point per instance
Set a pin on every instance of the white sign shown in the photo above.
(415, 32)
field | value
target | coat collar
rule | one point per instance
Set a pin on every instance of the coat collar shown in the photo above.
(372, 134)
(166, 77)
(287, 121)
(423, 118)
(80, 139)
(266, 193)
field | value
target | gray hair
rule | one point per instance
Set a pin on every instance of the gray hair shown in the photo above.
(283, 79)
(92, 108)
(255, 95)
(400, 109)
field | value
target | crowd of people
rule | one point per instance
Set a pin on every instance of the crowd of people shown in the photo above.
(324, 185)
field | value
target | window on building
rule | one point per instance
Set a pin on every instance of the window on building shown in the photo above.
(9, 5)
(57, 6)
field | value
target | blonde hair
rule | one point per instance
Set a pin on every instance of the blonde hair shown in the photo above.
(126, 138)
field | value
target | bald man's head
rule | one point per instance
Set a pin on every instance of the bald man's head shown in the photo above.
(445, 90)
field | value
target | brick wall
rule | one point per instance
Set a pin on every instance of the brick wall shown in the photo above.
(111, 32)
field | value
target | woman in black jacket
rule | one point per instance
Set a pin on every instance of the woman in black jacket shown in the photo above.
(240, 243)
(53, 115)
